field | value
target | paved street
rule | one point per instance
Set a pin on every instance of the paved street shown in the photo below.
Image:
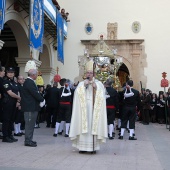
(150, 152)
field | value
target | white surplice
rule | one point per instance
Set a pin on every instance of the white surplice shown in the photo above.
(87, 122)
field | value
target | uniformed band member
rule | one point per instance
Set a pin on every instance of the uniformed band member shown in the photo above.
(146, 107)
(130, 102)
(2, 74)
(111, 105)
(19, 116)
(52, 102)
(65, 105)
(10, 100)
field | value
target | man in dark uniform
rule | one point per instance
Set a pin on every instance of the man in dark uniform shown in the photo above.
(111, 105)
(10, 100)
(65, 105)
(52, 102)
(2, 74)
(130, 102)
(19, 116)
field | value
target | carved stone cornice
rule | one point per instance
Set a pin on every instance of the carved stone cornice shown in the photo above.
(111, 42)
(48, 70)
(22, 61)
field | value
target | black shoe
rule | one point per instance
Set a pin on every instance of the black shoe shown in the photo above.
(120, 137)
(17, 134)
(55, 135)
(34, 142)
(13, 139)
(82, 151)
(132, 138)
(111, 138)
(31, 144)
(66, 135)
(60, 133)
(7, 139)
(22, 133)
(93, 152)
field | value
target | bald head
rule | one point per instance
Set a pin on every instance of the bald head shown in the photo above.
(32, 73)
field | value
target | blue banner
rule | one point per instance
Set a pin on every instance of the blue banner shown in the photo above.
(2, 13)
(36, 24)
(60, 38)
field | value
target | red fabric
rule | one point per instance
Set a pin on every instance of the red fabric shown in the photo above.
(65, 103)
(110, 107)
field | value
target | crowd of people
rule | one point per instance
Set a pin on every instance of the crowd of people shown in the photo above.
(85, 111)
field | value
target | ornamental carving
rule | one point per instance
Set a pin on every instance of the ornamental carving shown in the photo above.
(112, 31)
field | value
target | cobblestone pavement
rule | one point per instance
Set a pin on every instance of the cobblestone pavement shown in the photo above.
(150, 152)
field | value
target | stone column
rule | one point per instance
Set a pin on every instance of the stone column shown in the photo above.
(135, 70)
(48, 74)
(22, 62)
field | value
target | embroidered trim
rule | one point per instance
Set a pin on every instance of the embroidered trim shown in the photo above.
(97, 110)
(81, 93)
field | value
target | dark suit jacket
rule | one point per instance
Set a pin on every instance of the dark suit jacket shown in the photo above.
(133, 100)
(52, 97)
(30, 97)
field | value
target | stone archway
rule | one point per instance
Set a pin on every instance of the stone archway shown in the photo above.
(133, 54)
(20, 30)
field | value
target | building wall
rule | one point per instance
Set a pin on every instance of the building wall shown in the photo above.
(153, 16)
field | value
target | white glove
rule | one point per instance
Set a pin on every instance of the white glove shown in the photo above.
(66, 94)
(126, 95)
(107, 96)
(42, 103)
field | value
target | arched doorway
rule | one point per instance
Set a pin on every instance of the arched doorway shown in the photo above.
(9, 52)
(123, 74)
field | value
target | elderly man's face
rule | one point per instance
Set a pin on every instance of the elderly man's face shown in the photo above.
(89, 74)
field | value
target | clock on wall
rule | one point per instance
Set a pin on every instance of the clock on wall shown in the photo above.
(136, 27)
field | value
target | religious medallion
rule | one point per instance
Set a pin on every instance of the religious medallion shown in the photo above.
(136, 26)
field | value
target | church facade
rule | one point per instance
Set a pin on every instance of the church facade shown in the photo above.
(138, 30)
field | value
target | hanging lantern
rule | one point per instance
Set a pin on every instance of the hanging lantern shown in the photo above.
(57, 77)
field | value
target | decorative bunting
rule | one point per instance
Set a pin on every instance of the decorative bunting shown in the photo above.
(36, 24)
(60, 38)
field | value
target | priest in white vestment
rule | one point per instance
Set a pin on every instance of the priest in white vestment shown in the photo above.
(89, 121)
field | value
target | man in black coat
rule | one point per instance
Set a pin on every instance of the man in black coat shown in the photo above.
(52, 101)
(111, 105)
(30, 105)
(131, 100)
